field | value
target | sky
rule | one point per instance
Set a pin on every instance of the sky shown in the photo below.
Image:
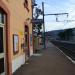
(58, 6)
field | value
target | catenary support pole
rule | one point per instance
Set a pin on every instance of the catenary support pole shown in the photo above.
(43, 25)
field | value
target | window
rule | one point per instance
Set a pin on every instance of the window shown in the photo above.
(2, 18)
(1, 40)
(26, 36)
(26, 2)
(26, 5)
(26, 40)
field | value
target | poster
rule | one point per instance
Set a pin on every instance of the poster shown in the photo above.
(15, 43)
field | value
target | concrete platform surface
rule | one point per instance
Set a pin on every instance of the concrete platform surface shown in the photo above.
(50, 62)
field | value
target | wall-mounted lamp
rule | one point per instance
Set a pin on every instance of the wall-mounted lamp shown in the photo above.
(29, 19)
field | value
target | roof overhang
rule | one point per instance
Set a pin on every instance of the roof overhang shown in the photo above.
(37, 21)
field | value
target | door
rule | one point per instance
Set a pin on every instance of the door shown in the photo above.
(2, 55)
(2, 44)
(27, 52)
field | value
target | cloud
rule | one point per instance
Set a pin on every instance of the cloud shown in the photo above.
(57, 6)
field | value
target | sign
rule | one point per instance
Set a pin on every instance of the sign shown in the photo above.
(15, 43)
(21, 33)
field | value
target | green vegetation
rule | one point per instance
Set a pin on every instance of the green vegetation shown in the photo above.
(65, 35)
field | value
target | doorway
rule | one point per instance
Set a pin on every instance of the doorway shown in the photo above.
(2, 52)
(27, 52)
(2, 43)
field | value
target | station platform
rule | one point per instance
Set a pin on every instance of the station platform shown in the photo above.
(50, 61)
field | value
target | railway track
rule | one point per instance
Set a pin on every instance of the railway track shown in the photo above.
(67, 48)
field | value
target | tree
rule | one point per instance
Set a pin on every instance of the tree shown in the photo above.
(61, 35)
(66, 34)
(37, 26)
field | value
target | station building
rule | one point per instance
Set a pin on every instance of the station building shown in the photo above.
(16, 40)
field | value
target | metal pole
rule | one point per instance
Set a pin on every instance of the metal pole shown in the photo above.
(43, 25)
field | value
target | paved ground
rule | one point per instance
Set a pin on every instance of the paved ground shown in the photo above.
(51, 62)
